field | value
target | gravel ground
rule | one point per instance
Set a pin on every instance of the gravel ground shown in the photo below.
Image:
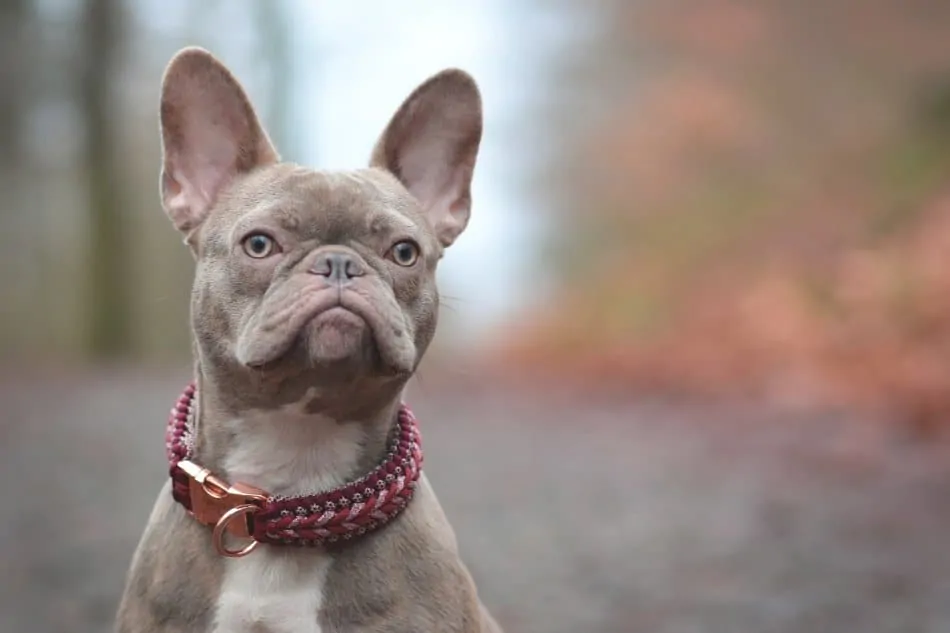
(574, 514)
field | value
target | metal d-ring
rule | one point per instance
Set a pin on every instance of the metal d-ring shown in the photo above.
(217, 536)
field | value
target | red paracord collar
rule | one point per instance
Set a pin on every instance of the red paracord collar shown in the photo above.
(327, 517)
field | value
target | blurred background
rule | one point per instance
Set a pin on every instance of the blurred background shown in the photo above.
(693, 367)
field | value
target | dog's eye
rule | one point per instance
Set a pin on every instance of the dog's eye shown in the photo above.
(405, 253)
(258, 245)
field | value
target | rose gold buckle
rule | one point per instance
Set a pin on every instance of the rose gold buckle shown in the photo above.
(215, 502)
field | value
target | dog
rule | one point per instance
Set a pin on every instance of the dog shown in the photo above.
(296, 501)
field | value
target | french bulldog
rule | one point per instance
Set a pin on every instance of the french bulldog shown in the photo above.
(314, 300)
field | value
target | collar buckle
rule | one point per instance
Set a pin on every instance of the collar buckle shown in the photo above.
(212, 499)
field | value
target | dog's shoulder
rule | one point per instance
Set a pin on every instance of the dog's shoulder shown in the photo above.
(174, 576)
(408, 577)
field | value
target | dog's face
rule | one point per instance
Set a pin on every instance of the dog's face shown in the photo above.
(302, 271)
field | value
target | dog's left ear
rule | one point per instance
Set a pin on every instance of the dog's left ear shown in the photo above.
(431, 144)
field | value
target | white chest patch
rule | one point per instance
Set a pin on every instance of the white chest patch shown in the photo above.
(286, 452)
(272, 591)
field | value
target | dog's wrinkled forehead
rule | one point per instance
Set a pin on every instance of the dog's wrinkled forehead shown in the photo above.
(326, 206)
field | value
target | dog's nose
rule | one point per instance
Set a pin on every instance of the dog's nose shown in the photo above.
(337, 267)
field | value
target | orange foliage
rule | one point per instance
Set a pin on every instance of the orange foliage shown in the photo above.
(681, 119)
(743, 189)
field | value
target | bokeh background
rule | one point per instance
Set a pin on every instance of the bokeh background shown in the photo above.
(693, 371)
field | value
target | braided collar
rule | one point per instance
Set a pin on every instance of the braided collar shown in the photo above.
(241, 510)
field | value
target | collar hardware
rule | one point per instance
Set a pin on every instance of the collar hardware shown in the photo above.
(212, 498)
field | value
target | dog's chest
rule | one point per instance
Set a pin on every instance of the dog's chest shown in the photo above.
(273, 591)
(276, 589)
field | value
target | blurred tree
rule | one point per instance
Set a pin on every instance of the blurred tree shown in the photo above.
(109, 305)
(13, 16)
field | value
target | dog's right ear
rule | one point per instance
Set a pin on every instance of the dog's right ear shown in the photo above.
(210, 134)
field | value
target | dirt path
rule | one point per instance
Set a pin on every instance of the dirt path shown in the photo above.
(587, 516)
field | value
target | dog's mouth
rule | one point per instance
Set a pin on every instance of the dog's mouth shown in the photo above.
(335, 334)
(338, 316)
(328, 327)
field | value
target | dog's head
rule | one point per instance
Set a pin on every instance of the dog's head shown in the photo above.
(302, 271)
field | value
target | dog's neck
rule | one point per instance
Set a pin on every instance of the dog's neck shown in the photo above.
(287, 439)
